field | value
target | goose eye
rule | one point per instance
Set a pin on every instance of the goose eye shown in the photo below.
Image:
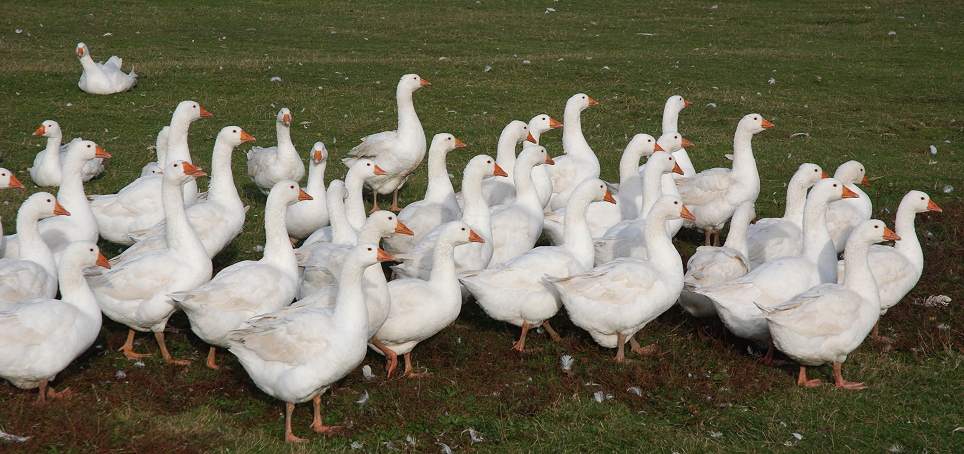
(488, 162)
(390, 218)
(835, 185)
(48, 200)
(292, 187)
(234, 130)
(88, 145)
(175, 165)
(876, 226)
(463, 229)
(675, 203)
(369, 249)
(91, 249)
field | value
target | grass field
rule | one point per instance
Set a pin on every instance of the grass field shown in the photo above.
(876, 81)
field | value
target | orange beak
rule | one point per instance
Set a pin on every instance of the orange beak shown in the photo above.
(767, 124)
(205, 113)
(302, 195)
(529, 138)
(931, 206)
(384, 256)
(890, 235)
(848, 194)
(677, 169)
(609, 197)
(687, 144)
(102, 261)
(460, 144)
(553, 124)
(423, 82)
(865, 181)
(403, 229)
(379, 171)
(60, 211)
(193, 170)
(40, 131)
(100, 153)
(498, 171)
(286, 118)
(474, 237)
(824, 175)
(549, 160)
(658, 148)
(317, 156)
(687, 103)
(685, 214)
(80, 51)
(15, 183)
(245, 137)
(592, 102)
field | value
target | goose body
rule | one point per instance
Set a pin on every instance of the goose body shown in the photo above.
(517, 226)
(47, 170)
(103, 78)
(303, 218)
(398, 152)
(579, 161)
(34, 273)
(267, 166)
(498, 191)
(353, 203)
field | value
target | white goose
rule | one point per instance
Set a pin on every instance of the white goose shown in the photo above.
(776, 282)
(360, 172)
(517, 226)
(135, 293)
(671, 142)
(829, 321)
(399, 152)
(138, 205)
(103, 78)
(47, 165)
(420, 309)
(517, 291)
(295, 354)
(251, 287)
(58, 232)
(671, 110)
(538, 125)
(711, 265)
(304, 217)
(41, 337)
(217, 219)
(7, 180)
(844, 215)
(579, 161)
(712, 195)
(616, 299)
(34, 273)
(772, 238)
(897, 269)
(602, 216)
(267, 166)
(498, 191)
(473, 256)
(439, 205)
(160, 150)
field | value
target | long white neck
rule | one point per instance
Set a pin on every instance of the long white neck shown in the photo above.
(89, 66)
(475, 213)
(909, 244)
(180, 234)
(577, 238)
(32, 245)
(652, 189)
(277, 247)
(817, 244)
(316, 180)
(572, 138)
(736, 237)
(351, 313)
(71, 193)
(857, 274)
(74, 289)
(439, 188)
(744, 164)
(443, 267)
(505, 152)
(222, 187)
(284, 135)
(525, 191)
(659, 246)
(796, 199)
(409, 128)
(670, 118)
(178, 150)
(354, 204)
(630, 185)
(370, 233)
(342, 231)
(53, 147)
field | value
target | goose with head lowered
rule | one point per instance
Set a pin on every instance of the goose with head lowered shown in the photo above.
(251, 287)
(517, 291)
(304, 217)
(420, 309)
(615, 300)
(398, 152)
(41, 337)
(296, 353)
(103, 78)
(775, 282)
(439, 205)
(713, 195)
(136, 293)
(47, 170)
(267, 166)
(34, 273)
(897, 268)
(829, 321)
(771, 238)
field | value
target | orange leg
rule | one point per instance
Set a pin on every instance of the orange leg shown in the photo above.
(552, 333)
(395, 206)
(316, 422)
(374, 202)
(128, 347)
(768, 358)
(708, 233)
(47, 392)
(391, 357)
(289, 435)
(167, 355)
(641, 351)
(620, 348)
(409, 373)
(211, 363)
(521, 344)
(841, 383)
(802, 379)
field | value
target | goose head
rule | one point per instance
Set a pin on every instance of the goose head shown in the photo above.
(7, 180)
(665, 162)
(533, 156)
(367, 254)
(669, 207)
(920, 202)
(580, 101)
(287, 192)
(41, 205)
(386, 223)
(851, 172)
(594, 190)
(458, 233)
(673, 141)
(84, 254)
(753, 123)
(411, 82)
(677, 103)
(642, 145)
(808, 174)
(872, 231)
(284, 117)
(516, 131)
(542, 123)
(830, 189)
(49, 128)
(365, 168)
(444, 143)
(180, 172)
(318, 153)
(82, 51)
(85, 150)
(233, 136)
(190, 111)
(484, 165)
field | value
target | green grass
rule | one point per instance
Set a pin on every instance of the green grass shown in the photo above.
(840, 76)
